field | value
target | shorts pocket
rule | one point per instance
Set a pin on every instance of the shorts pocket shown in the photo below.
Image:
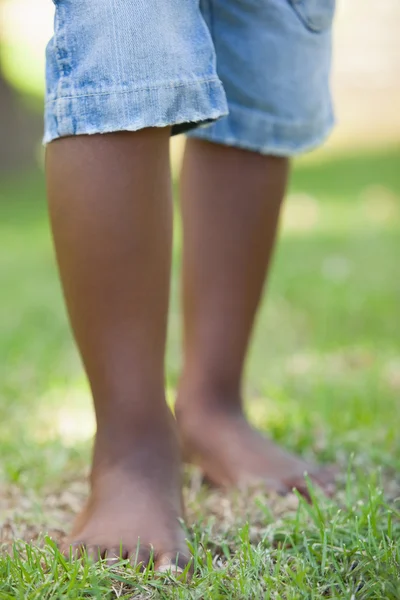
(317, 15)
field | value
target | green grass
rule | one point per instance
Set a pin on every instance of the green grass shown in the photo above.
(323, 379)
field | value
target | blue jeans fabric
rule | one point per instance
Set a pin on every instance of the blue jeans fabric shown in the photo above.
(258, 70)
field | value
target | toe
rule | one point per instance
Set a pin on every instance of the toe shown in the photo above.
(115, 554)
(73, 550)
(77, 550)
(140, 556)
(328, 474)
(324, 478)
(300, 485)
(174, 563)
(94, 552)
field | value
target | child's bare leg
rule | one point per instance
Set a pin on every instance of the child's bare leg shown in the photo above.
(110, 208)
(231, 200)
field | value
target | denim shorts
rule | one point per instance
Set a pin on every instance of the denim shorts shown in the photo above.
(247, 73)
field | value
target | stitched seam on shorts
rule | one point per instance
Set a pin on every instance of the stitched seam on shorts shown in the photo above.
(261, 115)
(58, 58)
(276, 144)
(133, 90)
(62, 53)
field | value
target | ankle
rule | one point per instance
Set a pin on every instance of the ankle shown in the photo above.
(131, 446)
(130, 428)
(129, 407)
(207, 400)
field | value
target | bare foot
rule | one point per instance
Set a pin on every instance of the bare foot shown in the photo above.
(231, 453)
(135, 503)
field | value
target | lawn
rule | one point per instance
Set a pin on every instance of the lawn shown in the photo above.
(323, 379)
